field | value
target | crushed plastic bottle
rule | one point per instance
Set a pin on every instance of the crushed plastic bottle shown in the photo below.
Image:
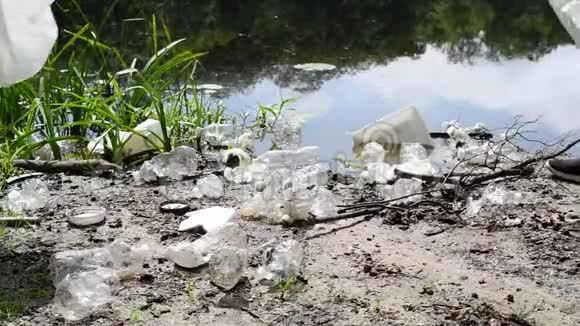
(373, 153)
(194, 254)
(287, 133)
(211, 186)
(379, 172)
(181, 162)
(85, 279)
(227, 266)
(118, 256)
(324, 204)
(246, 141)
(281, 263)
(493, 195)
(403, 188)
(413, 153)
(78, 295)
(33, 195)
(216, 134)
(289, 159)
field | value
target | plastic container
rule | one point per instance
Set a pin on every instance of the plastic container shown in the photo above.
(86, 216)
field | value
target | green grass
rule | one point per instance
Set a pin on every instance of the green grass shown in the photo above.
(88, 88)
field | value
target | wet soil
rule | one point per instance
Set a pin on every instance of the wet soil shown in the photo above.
(356, 272)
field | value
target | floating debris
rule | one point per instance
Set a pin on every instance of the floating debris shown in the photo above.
(210, 87)
(316, 66)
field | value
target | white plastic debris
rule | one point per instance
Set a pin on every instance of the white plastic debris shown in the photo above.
(423, 167)
(208, 219)
(287, 133)
(80, 294)
(458, 134)
(324, 204)
(33, 195)
(379, 173)
(373, 153)
(179, 163)
(194, 254)
(405, 126)
(281, 263)
(289, 159)
(492, 196)
(146, 135)
(27, 34)
(568, 12)
(227, 267)
(270, 209)
(89, 215)
(216, 134)
(86, 279)
(315, 66)
(404, 188)
(246, 141)
(413, 153)
(211, 186)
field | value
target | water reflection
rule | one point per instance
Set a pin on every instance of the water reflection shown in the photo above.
(483, 91)
(476, 60)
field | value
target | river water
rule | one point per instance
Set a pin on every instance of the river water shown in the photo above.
(472, 61)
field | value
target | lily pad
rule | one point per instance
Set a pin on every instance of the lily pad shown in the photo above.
(315, 67)
(211, 87)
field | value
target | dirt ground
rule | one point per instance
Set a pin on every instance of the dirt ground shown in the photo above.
(368, 273)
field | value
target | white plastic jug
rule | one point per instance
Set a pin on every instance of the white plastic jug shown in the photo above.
(27, 33)
(568, 12)
(391, 131)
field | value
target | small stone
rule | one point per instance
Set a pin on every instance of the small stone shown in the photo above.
(510, 298)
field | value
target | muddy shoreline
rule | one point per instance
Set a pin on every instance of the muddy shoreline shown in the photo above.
(424, 271)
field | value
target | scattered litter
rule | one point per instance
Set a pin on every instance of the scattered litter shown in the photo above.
(176, 207)
(324, 204)
(315, 67)
(227, 266)
(86, 216)
(216, 134)
(80, 294)
(194, 254)
(289, 159)
(281, 263)
(33, 195)
(413, 152)
(373, 153)
(208, 219)
(493, 196)
(211, 186)
(181, 162)
(391, 131)
(86, 279)
(403, 188)
(287, 133)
